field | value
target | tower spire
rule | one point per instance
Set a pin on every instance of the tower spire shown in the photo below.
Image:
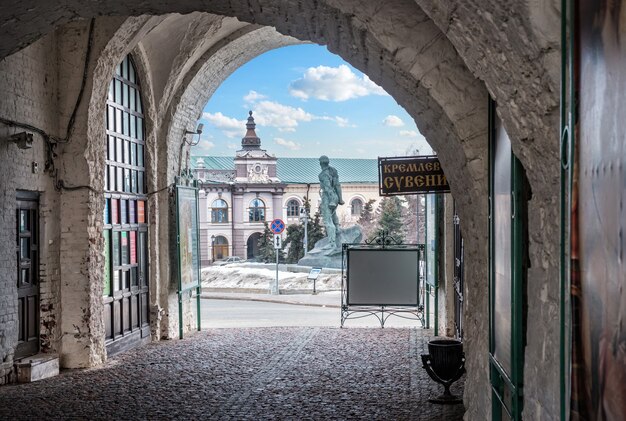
(250, 140)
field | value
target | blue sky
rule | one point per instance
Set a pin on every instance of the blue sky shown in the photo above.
(307, 102)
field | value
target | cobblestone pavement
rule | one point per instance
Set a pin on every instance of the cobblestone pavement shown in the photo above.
(248, 374)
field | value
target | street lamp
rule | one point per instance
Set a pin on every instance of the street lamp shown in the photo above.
(212, 249)
(304, 217)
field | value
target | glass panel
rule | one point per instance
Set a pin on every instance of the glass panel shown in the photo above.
(24, 225)
(142, 258)
(124, 248)
(107, 262)
(118, 69)
(111, 149)
(107, 214)
(116, 280)
(126, 123)
(110, 97)
(139, 128)
(110, 118)
(111, 178)
(119, 181)
(140, 155)
(502, 248)
(133, 153)
(126, 102)
(115, 250)
(123, 214)
(133, 247)
(124, 280)
(118, 91)
(132, 211)
(133, 126)
(139, 107)
(118, 120)
(24, 277)
(126, 152)
(118, 147)
(141, 213)
(131, 72)
(132, 95)
(140, 188)
(133, 276)
(24, 248)
(114, 211)
(127, 180)
(133, 181)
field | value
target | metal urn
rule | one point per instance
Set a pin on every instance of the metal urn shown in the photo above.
(445, 364)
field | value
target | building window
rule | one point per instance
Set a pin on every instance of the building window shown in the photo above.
(357, 207)
(256, 211)
(293, 208)
(219, 212)
(125, 220)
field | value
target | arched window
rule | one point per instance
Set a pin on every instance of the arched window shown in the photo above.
(125, 220)
(256, 211)
(357, 207)
(293, 208)
(219, 211)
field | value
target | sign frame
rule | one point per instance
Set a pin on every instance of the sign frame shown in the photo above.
(411, 175)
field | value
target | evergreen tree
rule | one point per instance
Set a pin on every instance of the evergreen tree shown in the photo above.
(315, 230)
(414, 218)
(367, 219)
(294, 240)
(390, 217)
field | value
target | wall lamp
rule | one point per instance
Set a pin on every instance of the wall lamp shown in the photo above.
(198, 132)
(23, 140)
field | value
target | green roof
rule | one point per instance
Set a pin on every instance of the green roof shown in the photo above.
(305, 170)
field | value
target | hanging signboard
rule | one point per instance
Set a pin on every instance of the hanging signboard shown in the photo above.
(411, 175)
(188, 251)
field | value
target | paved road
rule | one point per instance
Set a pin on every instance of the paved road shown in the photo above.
(237, 313)
(247, 374)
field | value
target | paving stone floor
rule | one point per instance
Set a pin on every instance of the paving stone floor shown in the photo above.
(248, 374)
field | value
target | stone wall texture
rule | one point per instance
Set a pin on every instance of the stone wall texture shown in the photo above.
(439, 59)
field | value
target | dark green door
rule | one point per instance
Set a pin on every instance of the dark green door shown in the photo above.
(27, 247)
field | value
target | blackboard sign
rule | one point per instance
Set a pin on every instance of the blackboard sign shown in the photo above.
(411, 175)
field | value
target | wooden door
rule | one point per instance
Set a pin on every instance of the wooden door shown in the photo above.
(27, 249)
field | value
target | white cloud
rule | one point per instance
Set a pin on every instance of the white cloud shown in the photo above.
(283, 117)
(204, 146)
(232, 146)
(253, 96)
(231, 127)
(333, 84)
(393, 121)
(289, 144)
(409, 133)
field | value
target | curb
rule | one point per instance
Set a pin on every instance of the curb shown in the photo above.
(268, 300)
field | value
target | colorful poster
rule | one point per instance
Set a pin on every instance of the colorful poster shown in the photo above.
(188, 237)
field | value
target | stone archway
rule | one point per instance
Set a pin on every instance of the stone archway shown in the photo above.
(429, 57)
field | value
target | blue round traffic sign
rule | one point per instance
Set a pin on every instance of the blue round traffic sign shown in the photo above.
(277, 226)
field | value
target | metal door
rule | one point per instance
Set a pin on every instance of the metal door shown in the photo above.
(27, 250)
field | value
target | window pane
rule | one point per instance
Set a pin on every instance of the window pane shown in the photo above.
(118, 91)
(107, 214)
(111, 178)
(110, 97)
(118, 121)
(119, 179)
(107, 262)
(24, 225)
(131, 73)
(123, 211)
(133, 154)
(127, 180)
(126, 101)
(139, 128)
(141, 213)
(126, 152)
(110, 118)
(140, 155)
(140, 188)
(114, 211)
(132, 95)
(134, 182)
(116, 280)
(115, 249)
(133, 247)
(25, 248)
(123, 68)
(124, 248)
(126, 123)
(132, 211)
(133, 126)
(139, 107)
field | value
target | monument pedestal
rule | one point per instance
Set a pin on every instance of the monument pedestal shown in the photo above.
(325, 256)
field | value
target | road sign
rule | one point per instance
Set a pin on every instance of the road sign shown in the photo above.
(278, 241)
(277, 226)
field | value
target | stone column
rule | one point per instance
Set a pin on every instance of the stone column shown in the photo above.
(239, 245)
(277, 205)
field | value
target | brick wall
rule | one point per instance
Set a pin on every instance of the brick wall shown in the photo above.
(28, 92)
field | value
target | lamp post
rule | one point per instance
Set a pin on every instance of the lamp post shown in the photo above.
(212, 249)
(304, 217)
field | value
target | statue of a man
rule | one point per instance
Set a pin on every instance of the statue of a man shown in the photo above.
(331, 198)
